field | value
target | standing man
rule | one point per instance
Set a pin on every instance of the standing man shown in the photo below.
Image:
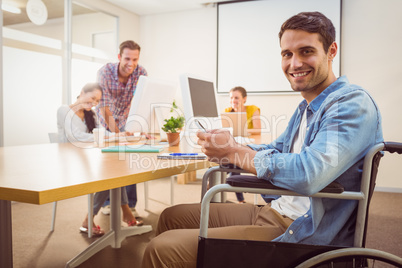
(326, 140)
(118, 82)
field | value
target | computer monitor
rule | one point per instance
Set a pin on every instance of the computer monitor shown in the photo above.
(199, 102)
(151, 104)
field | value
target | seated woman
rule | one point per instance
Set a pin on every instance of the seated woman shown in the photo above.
(238, 98)
(75, 123)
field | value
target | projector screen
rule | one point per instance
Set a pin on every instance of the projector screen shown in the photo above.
(248, 43)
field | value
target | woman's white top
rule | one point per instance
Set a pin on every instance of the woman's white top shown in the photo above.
(72, 128)
(294, 206)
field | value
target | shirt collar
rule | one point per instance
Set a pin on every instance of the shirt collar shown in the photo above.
(316, 103)
(116, 71)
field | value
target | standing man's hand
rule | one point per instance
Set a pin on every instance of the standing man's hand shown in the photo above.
(109, 120)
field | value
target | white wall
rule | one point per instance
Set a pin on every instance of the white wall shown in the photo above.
(369, 40)
(129, 22)
(185, 42)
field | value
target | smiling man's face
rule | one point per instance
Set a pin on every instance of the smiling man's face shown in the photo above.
(305, 63)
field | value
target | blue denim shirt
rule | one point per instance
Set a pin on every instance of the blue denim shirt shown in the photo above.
(343, 124)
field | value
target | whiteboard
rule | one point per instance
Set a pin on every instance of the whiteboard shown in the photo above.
(248, 42)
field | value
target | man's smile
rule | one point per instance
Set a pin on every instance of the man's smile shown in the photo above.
(300, 74)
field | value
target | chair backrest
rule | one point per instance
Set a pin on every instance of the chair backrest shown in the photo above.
(392, 147)
(53, 137)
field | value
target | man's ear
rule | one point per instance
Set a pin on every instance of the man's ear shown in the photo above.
(332, 51)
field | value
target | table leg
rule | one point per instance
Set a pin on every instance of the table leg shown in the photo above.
(112, 238)
(6, 239)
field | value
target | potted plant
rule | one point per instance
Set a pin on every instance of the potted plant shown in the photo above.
(172, 127)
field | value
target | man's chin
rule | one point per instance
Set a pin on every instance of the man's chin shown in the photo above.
(297, 87)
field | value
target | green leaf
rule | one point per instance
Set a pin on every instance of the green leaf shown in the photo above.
(173, 124)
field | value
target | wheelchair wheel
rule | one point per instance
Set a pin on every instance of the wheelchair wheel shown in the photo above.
(353, 257)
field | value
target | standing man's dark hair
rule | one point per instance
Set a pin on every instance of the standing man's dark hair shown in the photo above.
(312, 22)
(130, 44)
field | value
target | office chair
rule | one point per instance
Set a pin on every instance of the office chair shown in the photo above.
(53, 138)
(244, 253)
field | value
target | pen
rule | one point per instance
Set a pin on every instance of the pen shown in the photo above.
(178, 154)
(200, 126)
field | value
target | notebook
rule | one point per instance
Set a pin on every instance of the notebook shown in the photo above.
(237, 121)
(133, 149)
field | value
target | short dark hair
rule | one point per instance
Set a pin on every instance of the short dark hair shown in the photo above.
(242, 91)
(312, 22)
(130, 44)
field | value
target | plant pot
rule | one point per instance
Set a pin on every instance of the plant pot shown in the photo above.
(173, 138)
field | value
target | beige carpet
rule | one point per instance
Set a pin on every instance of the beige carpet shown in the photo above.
(35, 246)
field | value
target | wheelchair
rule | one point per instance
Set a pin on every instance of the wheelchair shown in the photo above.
(254, 254)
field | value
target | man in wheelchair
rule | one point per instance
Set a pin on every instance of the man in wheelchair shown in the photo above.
(325, 141)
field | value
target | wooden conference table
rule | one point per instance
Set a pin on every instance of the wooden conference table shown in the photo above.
(44, 173)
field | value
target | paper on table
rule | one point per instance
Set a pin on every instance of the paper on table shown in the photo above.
(143, 148)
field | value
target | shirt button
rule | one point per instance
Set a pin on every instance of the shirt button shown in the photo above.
(305, 215)
(290, 232)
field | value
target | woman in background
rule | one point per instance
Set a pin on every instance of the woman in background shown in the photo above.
(75, 123)
(238, 98)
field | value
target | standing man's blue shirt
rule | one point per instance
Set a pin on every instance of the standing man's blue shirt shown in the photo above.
(344, 122)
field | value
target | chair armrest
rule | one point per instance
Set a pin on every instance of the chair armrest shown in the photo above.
(208, 175)
(254, 182)
(393, 147)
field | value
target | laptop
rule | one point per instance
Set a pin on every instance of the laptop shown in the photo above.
(237, 121)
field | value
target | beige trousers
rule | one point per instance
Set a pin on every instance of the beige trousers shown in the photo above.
(176, 241)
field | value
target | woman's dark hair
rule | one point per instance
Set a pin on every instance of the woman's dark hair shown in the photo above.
(312, 22)
(242, 91)
(89, 116)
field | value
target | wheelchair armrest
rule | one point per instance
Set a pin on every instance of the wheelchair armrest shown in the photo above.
(222, 168)
(393, 147)
(254, 182)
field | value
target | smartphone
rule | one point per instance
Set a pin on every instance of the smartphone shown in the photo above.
(200, 126)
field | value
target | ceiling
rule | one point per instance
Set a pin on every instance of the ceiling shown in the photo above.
(55, 10)
(149, 7)
(141, 7)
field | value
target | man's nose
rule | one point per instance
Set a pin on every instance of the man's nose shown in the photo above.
(296, 62)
